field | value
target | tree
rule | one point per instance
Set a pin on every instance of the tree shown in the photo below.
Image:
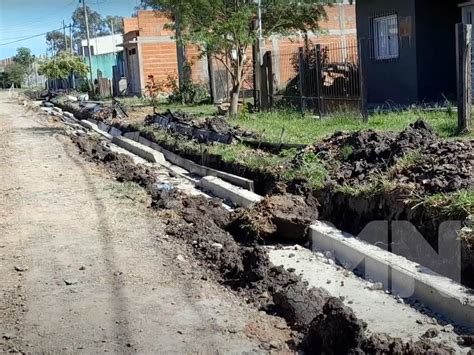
(117, 21)
(21, 66)
(23, 57)
(97, 25)
(15, 73)
(226, 30)
(63, 65)
(56, 42)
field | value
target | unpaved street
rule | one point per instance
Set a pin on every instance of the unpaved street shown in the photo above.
(84, 266)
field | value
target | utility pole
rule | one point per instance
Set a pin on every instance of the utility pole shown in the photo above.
(70, 38)
(88, 39)
(65, 38)
(113, 34)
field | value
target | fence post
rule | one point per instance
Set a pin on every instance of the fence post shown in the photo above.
(362, 85)
(264, 84)
(257, 77)
(319, 79)
(212, 82)
(269, 65)
(464, 55)
(301, 75)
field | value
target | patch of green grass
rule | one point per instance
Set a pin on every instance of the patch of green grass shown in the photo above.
(405, 162)
(459, 204)
(128, 190)
(305, 130)
(200, 109)
(309, 168)
(254, 159)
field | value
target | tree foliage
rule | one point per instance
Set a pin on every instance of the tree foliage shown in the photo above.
(15, 73)
(56, 42)
(24, 57)
(63, 65)
(21, 66)
(97, 25)
(117, 22)
(226, 29)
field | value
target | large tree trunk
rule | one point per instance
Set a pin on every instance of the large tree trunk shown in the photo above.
(234, 103)
(237, 84)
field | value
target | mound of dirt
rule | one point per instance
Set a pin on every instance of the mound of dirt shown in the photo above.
(336, 330)
(216, 124)
(329, 326)
(277, 217)
(436, 165)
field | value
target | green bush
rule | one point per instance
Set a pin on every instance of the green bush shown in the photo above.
(187, 93)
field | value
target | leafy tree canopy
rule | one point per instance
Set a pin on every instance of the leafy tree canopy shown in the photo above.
(15, 73)
(97, 25)
(63, 65)
(24, 57)
(226, 28)
(56, 42)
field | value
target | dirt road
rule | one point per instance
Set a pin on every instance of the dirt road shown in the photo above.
(82, 268)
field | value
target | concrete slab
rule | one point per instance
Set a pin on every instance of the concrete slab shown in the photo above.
(93, 126)
(403, 277)
(141, 150)
(134, 136)
(114, 132)
(103, 127)
(197, 169)
(68, 115)
(383, 312)
(229, 192)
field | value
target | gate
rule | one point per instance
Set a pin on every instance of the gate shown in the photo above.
(324, 79)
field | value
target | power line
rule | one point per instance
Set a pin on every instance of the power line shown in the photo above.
(29, 37)
(37, 20)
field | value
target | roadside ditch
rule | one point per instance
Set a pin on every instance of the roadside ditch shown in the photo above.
(370, 176)
(324, 323)
(229, 242)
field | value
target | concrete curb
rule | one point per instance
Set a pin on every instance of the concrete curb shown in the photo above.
(403, 277)
(94, 127)
(229, 192)
(197, 169)
(139, 149)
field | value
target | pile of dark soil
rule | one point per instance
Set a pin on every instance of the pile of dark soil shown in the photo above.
(278, 217)
(323, 322)
(216, 124)
(436, 165)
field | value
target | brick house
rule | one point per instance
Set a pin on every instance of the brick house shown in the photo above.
(151, 49)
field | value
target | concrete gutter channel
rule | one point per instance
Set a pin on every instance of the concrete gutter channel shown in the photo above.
(442, 298)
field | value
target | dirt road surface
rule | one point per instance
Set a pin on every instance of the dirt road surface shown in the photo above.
(84, 266)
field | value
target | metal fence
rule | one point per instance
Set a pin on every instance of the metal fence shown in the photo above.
(323, 79)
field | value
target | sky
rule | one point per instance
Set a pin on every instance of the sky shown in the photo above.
(24, 18)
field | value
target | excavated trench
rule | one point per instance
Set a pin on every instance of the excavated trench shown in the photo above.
(359, 156)
(324, 323)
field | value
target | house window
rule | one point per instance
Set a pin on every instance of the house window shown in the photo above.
(385, 30)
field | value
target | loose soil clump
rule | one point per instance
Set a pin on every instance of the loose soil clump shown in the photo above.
(278, 217)
(215, 124)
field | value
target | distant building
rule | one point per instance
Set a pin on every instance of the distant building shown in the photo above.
(106, 54)
(101, 45)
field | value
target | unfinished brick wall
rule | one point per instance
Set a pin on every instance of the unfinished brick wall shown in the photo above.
(159, 60)
(159, 52)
